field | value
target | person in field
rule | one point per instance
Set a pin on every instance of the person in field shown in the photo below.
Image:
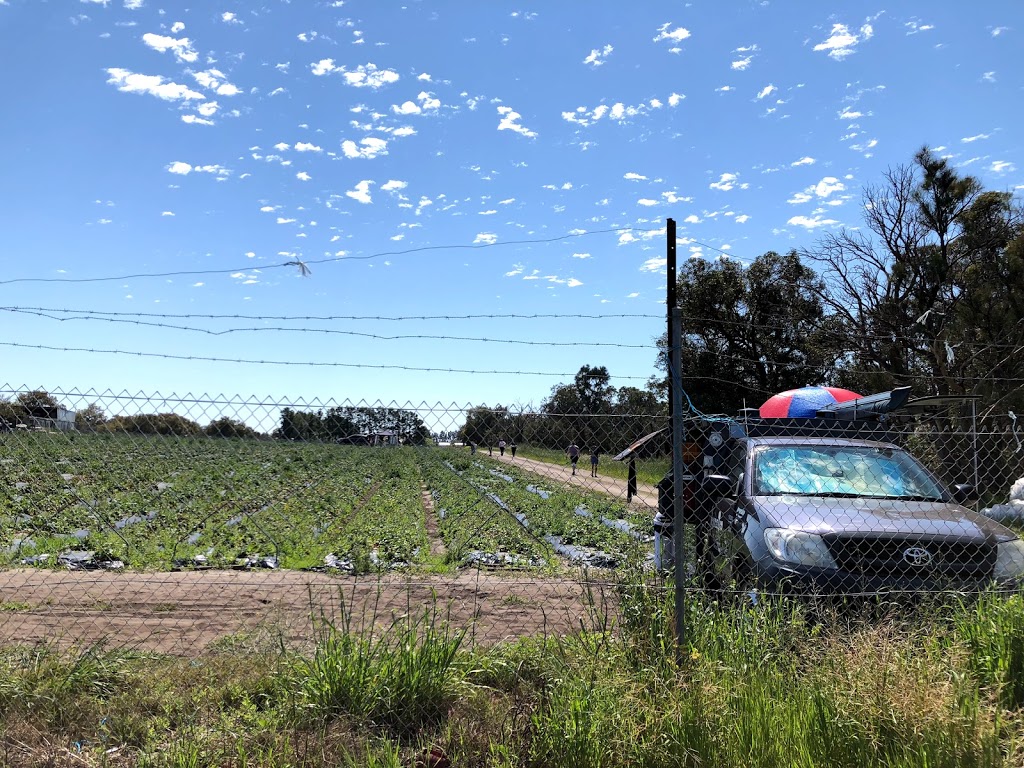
(593, 462)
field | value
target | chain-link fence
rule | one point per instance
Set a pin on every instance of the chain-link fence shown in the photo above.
(180, 523)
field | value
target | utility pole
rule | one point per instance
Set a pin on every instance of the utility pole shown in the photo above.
(673, 350)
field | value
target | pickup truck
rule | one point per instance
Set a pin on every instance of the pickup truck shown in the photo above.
(825, 507)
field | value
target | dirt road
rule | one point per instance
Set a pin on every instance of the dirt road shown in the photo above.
(646, 496)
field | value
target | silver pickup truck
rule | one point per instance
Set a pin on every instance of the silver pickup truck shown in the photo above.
(819, 509)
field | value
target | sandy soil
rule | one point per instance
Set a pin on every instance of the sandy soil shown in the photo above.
(186, 612)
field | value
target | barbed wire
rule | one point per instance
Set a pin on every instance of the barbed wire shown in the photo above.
(329, 318)
(335, 331)
(323, 364)
(303, 264)
(745, 323)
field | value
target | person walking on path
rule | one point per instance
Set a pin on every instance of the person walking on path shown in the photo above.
(512, 447)
(593, 462)
(574, 455)
(501, 446)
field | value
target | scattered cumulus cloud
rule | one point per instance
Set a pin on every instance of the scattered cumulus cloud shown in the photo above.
(361, 192)
(977, 137)
(154, 85)
(803, 161)
(485, 238)
(676, 35)
(363, 76)
(367, 148)
(182, 48)
(811, 222)
(509, 122)
(726, 182)
(634, 176)
(768, 90)
(842, 42)
(597, 56)
(1002, 166)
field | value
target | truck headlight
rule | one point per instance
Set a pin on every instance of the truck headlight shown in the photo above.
(798, 548)
(1009, 560)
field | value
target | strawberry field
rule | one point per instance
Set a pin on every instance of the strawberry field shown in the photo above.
(160, 503)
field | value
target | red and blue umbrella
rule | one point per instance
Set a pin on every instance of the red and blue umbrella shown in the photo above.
(803, 403)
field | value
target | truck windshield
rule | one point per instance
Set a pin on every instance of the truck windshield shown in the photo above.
(844, 471)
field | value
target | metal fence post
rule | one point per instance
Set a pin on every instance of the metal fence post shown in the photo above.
(678, 436)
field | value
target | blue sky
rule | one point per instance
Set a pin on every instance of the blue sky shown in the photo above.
(229, 138)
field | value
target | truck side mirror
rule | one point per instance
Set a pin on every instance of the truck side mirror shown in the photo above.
(965, 493)
(718, 486)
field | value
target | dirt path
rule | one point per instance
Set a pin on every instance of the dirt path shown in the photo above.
(437, 547)
(562, 474)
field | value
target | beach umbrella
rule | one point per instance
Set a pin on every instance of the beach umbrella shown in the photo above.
(803, 403)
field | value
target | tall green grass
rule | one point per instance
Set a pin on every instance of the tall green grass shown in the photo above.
(783, 683)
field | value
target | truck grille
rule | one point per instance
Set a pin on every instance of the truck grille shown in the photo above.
(902, 556)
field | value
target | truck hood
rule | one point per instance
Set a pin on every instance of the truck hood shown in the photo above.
(876, 516)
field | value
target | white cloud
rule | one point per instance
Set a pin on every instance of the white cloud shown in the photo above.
(167, 213)
(182, 48)
(675, 98)
(842, 42)
(850, 114)
(676, 35)
(655, 264)
(827, 186)
(913, 27)
(742, 64)
(572, 282)
(597, 57)
(133, 5)
(810, 222)
(195, 120)
(803, 161)
(742, 219)
(1002, 166)
(303, 176)
(989, 77)
(229, 18)
(768, 90)
(508, 122)
(692, 219)
(282, 220)
(323, 67)
(581, 256)
(269, 208)
(303, 146)
(800, 198)
(154, 85)
(724, 89)
(209, 109)
(361, 193)
(367, 148)
(367, 76)
(392, 185)
(184, 169)
(969, 139)
(634, 176)
(997, 31)
(647, 202)
(725, 183)
(428, 103)
(485, 238)
(176, 27)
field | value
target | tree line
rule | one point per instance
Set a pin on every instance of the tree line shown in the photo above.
(928, 293)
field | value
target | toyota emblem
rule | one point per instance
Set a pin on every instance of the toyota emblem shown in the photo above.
(918, 557)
